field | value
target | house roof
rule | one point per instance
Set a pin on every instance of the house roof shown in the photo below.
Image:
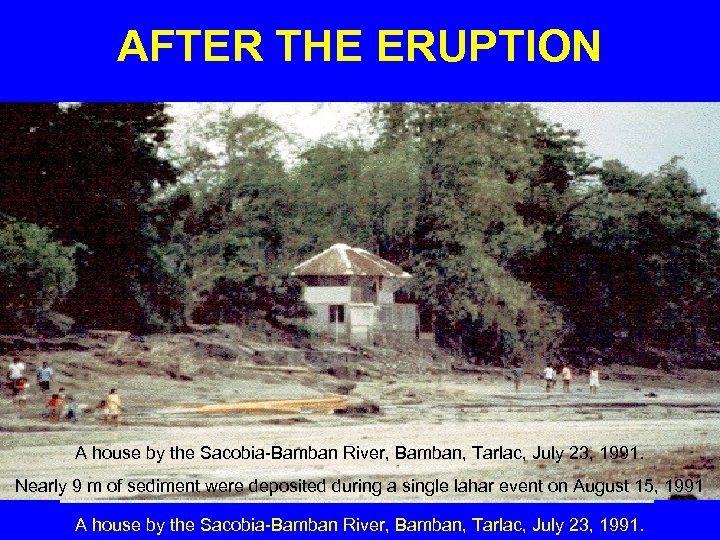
(343, 260)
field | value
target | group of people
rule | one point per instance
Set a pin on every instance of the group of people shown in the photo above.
(59, 406)
(19, 383)
(62, 407)
(550, 376)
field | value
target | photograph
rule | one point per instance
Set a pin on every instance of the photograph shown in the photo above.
(360, 301)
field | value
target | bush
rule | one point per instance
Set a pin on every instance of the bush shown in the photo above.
(247, 299)
(35, 274)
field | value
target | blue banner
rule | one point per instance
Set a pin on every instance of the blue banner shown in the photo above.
(319, 50)
(658, 520)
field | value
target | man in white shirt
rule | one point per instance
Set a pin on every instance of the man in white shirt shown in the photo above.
(16, 371)
(549, 378)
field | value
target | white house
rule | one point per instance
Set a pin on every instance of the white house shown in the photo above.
(352, 294)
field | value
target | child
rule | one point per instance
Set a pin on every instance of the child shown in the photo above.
(53, 408)
(114, 405)
(104, 409)
(72, 413)
(61, 395)
(21, 393)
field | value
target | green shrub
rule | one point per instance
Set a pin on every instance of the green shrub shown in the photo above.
(35, 274)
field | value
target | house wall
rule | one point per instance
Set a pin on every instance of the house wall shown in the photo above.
(363, 293)
(327, 295)
(386, 296)
(365, 320)
(320, 321)
(361, 319)
(396, 318)
(347, 289)
(388, 286)
(359, 292)
(364, 317)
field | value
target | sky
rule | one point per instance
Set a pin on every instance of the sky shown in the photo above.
(643, 136)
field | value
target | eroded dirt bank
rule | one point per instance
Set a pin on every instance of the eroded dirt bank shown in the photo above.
(412, 399)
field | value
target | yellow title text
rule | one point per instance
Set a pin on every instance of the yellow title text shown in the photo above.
(392, 45)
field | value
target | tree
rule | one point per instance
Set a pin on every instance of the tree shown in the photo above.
(479, 165)
(237, 221)
(633, 263)
(88, 172)
(35, 274)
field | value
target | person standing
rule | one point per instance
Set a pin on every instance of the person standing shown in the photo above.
(549, 374)
(53, 408)
(21, 397)
(62, 396)
(44, 377)
(16, 371)
(567, 377)
(114, 405)
(594, 379)
(516, 373)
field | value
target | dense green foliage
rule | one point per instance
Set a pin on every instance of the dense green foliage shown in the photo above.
(35, 273)
(635, 265)
(88, 173)
(235, 221)
(520, 243)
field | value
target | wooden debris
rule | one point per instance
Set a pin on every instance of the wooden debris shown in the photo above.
(329, 404)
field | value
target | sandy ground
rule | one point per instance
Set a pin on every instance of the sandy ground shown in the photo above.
(668, 423)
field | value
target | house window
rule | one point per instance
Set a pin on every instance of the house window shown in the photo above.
(336, 313)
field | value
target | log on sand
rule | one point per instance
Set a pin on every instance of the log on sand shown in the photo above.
(329, 404)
